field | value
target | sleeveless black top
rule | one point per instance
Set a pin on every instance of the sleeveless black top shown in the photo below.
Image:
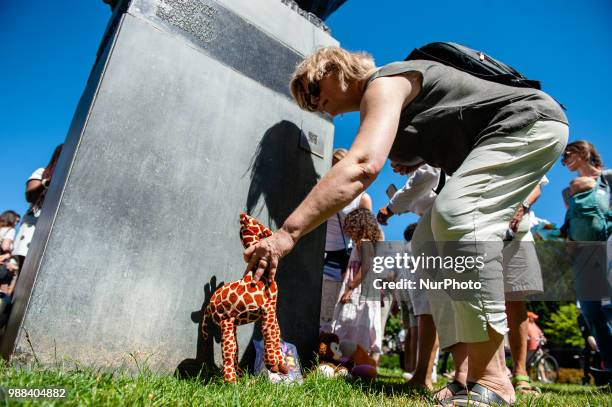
(454, 111)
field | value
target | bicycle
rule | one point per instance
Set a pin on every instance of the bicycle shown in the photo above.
(542, 366)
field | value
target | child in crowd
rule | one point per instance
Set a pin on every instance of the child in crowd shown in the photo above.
(357, 319)
(8, 222)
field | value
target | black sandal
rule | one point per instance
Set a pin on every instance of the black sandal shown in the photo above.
(477, 395)
(454, 387)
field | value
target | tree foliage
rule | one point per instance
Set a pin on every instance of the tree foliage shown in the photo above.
(561, 329)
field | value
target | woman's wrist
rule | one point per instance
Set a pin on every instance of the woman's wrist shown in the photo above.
(289, 233)
(286, 239)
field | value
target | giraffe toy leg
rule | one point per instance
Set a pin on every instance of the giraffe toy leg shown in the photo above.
(238, 370)
(273, 357)
(228, 349)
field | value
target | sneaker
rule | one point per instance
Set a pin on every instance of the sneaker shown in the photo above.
(407, 375)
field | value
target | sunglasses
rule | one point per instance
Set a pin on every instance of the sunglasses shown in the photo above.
(313, 90)
(566, 155)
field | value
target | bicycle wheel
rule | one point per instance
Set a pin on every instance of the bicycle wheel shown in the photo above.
(546, 369)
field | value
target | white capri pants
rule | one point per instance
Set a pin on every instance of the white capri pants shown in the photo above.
(476, 205)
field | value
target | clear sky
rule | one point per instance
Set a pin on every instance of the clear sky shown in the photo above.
(48, 49)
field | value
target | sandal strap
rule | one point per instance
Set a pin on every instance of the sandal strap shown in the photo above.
(528, 388)
(455, 387)
(520, 378)
(479, 393)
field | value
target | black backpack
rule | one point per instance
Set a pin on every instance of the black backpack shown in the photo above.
(474, 62)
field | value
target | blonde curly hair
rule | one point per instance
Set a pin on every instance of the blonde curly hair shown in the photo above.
(349, 66)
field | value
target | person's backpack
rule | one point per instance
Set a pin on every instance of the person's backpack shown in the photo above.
(474, 62)
(589, 216)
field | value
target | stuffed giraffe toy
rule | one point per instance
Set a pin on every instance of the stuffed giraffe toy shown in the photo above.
(241, 302)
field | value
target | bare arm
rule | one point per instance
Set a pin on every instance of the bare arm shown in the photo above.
(6, 245)
(351, 285)
(380, 111)
(581, 184)
(520, 211)
(365, 202)
(534, 195)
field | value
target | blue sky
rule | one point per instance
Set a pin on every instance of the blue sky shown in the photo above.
(49, 47)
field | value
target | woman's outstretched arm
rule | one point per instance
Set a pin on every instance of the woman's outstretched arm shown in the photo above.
(380, 109)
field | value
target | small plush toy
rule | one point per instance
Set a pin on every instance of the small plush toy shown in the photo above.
(241, 302)
(338, 357)
(332, 363)
(356, 353)
(364, 365)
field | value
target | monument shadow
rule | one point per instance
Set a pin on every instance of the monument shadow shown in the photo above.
(281, 174)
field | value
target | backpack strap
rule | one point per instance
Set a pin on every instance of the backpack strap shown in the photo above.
(342, 232)
(441, 182)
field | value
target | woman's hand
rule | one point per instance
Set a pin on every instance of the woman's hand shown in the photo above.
(346, 296)
(405, 169)
(266, 254)
(516, 219)
(12, 267)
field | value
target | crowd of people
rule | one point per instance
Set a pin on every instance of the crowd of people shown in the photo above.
(359, 319)
(496, 142)
(475, 153)
(16, 233)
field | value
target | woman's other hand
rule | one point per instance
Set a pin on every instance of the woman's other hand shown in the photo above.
(516, 219)
(266, 254)
(405, 169)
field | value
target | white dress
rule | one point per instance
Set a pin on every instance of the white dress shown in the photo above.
(358, 320)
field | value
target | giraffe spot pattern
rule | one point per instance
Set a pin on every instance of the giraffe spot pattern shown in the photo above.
(240, 302)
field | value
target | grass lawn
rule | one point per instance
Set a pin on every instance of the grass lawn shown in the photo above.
(91, 387)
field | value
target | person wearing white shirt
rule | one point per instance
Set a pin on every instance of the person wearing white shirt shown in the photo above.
(416, 196)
